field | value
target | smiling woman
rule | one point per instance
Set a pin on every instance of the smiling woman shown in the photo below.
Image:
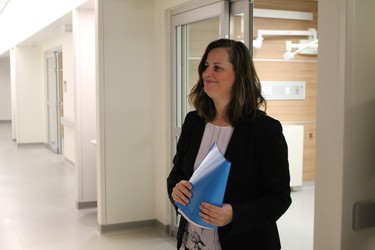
(228, 102)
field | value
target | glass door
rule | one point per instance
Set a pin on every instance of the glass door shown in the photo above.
(192, 31)
(193, 28)
(241, 22)
(53, 74)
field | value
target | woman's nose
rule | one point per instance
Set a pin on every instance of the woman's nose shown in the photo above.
(207, 71)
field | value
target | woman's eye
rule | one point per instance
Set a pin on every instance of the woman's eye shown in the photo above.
(217, 68)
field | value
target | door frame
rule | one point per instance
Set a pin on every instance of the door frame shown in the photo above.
(197, 11)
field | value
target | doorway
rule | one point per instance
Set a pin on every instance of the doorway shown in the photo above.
(193, 28)
(54, 101)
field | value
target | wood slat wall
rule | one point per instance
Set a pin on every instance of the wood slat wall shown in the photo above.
(270, 66)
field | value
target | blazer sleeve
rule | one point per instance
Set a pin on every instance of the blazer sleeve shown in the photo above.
(179, 170)
(272, 195)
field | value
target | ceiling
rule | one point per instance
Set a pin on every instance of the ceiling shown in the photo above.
(53, 30)
(50, 32)
(3, 3)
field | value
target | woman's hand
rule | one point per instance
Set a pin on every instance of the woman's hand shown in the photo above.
(217, 216)
(181, 192)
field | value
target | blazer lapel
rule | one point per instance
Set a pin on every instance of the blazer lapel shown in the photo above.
(239, 137)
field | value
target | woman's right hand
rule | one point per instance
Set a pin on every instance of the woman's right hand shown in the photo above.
(181, 192)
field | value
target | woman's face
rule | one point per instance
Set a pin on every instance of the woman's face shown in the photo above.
(219, 76)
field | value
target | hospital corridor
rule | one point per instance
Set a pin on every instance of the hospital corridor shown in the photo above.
(37, 197)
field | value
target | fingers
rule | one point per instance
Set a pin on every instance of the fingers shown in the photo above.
(186, 184)
(217, 216)
(181, 193)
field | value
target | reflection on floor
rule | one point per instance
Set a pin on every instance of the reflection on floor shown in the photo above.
(37, 200)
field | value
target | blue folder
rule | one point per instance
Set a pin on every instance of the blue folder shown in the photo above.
(209, 182)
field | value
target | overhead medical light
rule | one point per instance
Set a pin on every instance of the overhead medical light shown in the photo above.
(257, 43)
(308, 46)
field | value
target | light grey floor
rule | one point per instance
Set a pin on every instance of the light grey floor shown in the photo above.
(296, 226)
(37, 200)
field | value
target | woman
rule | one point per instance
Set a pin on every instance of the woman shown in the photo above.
(227, 99)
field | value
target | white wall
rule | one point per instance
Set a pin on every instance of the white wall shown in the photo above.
(13, 92)
(345, 172)
(125, 112)
(359, 157)
(5, 100)
(85, 116)
(29, 95)
(69, 96)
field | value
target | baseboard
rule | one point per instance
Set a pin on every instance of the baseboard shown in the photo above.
(134, 225)
(86, 204)
(31, 144)
(162, 228)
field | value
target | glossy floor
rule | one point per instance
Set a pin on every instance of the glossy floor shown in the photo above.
(37, 208)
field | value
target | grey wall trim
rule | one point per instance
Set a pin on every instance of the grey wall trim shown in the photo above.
(162, 228)
(31, 144)
(86, 204)
(134, 225)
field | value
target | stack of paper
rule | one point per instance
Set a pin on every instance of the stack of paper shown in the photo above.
(209, 182)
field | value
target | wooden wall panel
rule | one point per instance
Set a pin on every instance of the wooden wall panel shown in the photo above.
(270, 66)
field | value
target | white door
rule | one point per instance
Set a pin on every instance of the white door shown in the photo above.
(54, 104)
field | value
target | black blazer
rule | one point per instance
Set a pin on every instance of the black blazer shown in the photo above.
(258, 183)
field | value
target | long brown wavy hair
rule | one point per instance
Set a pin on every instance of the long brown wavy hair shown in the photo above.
(247, 98)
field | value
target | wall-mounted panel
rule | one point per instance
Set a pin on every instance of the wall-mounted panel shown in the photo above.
(283, 90)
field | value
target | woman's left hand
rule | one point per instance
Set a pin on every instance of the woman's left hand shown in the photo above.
(217, 216)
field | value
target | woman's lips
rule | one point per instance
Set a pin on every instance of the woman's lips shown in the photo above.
(209, 81)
